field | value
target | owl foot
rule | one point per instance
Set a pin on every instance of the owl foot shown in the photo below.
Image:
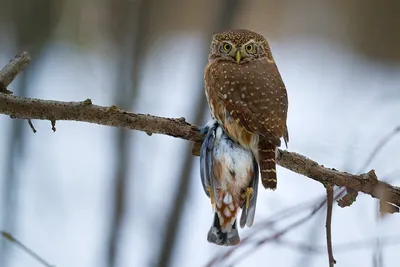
(249, 192)
(206, 128)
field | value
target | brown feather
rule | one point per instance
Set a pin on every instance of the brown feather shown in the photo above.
(253, 94)
(267, 162)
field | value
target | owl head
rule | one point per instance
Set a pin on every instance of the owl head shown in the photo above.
(239, 46)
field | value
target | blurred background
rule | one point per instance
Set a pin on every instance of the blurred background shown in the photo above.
(89, 195)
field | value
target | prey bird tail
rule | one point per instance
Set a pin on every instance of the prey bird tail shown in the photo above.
(217, 235)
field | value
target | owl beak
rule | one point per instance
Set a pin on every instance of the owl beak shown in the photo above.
(238, 56)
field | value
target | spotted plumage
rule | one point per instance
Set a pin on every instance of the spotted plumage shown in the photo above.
(247, 96)
(229, 175)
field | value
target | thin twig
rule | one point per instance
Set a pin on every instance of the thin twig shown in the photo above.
(33, 254)
(31, 125)
(347, 247)
(12, 69)
(328, 225)
(53, 125)
(379, 146)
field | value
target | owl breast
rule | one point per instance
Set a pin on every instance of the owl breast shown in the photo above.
(219, 111)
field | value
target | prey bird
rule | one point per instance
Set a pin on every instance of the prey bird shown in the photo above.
(229, 175)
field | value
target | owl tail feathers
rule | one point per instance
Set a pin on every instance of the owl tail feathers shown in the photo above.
(218, 237)
(267, 162)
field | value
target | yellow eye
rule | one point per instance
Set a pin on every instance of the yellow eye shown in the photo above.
(227, 47)
(249, 48)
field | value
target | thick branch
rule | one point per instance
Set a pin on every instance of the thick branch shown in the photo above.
(85, 111)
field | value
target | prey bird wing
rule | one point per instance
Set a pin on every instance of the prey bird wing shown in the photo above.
(208, 180)
(229, 176)
(249, 209)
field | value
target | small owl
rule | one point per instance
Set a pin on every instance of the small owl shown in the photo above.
(229, 175)
(247, 96)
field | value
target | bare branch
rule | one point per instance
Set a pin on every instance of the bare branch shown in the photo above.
(380, 146)
(85, 111)
(367, 183)
(328, 225)
(34, 255)
(12, 69)
(31, 125)
(339, 248)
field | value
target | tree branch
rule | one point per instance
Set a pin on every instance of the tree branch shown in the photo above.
(328, 224)
(12, 69)
(30, 252)
(85, 111)
(367, 183)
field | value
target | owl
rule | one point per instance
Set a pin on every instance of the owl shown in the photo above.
(229, 175)
(247, 96)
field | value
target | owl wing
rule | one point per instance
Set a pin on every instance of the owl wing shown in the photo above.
(253, 94)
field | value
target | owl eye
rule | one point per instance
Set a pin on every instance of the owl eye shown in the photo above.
(249, 48)
(227, 47)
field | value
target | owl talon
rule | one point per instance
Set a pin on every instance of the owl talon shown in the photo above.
(210, 124)
(204, 130)
(249, 192)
